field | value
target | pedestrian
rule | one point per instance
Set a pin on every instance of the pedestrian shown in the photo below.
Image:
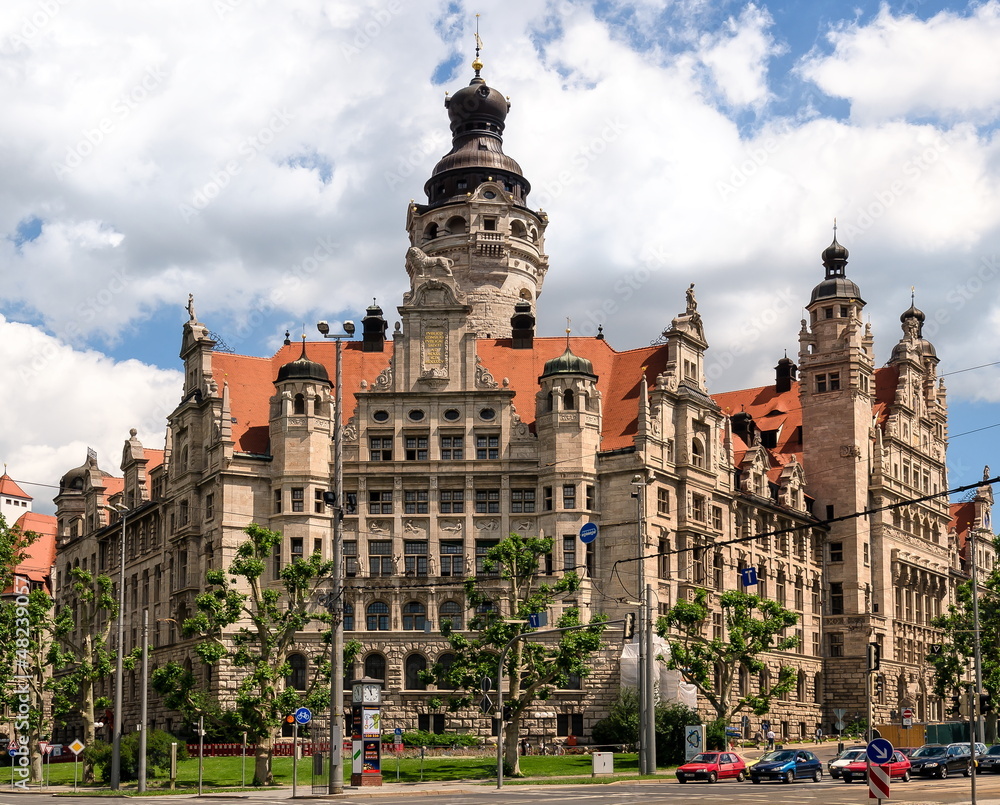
(819, 734)
(759, 737)
(770, 739)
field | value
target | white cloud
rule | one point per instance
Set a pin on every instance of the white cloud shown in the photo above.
(737, 57)
(945, 67)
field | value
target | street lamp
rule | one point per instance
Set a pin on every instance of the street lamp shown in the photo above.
(116, 746)
(647, 702)
(336, 601)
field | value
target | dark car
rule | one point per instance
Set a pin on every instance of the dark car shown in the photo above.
(991, 760)
(713, 766)
(787, 765)
(937, 760)
(898, 768)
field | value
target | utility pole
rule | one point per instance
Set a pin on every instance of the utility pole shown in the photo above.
(642, 675)
(145, 700)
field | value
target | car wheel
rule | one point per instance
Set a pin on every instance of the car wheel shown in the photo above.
(818, 776)
(713, 777)
(741, 776)
(789, 777)
(755, 780)
(847, 778)
(906, 776)
(681, 780)
(943, 772)
(967, 770)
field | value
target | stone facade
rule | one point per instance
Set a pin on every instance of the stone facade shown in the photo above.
(464, 426)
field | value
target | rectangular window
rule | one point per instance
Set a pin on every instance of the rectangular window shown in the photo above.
(209, 506)
(816, 650)
(380, 502)
(836, 598)
(276, 561)
(522, 500)
(569, 552)
(717, 518)
(380, 557)
(662, 501)
(590, 496)
(482, 548)
(185, 512)
(415, 558)
(798, 595)
(416, 448)
(296, 549)
(487, 501)
(663, 560)
(836, 643)
(319, 504)
(415, 501)
(380, 448)
(569, 724)
(452, 448)
(569, 496)
(698, 507)
(487, 446)
(547, 498)
(431, 722)
(351, 558)
(834, 381)
(717, 626)
(836, 551)
(451, 501)
(866, 554)
(298, 499)
(452, 554)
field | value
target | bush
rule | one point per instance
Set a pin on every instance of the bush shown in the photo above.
(671, 719)
(157, 755)
(621, 725)
(421, 738)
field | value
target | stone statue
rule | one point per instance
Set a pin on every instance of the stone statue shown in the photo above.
(420, 265)
(692, 303)
(190, 307)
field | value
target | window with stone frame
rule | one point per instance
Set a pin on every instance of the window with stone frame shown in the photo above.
(452, 447)
(779, 588)
(569, 496)
(415, 555)
(413, 667)
(799, 601)
(375, 663)
(296, 679)
(547, 498)
(662, 501)
(416, 501)
(487, 501)
(452, 554)
(569, 724)
(487, 446)
(835, 641)
(482, 548)
(209, 506)
(416, 448)
(349, 617)
(351, 558)
(836, 551)
(717, 626)
(380, 448)
(697, 453)
(380, 501)
(836, 598)
(377, 617)
(522, 500)
(414, 616)
(698, 507)
(452, 612)
(451, 501)
(569, 552)
(717, 518)
(298, 499)
(319, 502)
(380, 558)
(591, 498)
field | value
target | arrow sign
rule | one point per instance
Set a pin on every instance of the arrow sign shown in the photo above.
(303, 715)
(879, 751)
(588, 533)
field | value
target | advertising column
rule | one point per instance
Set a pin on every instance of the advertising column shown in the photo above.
(366, 730)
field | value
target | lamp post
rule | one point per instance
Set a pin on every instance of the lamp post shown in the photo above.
(145, 700)
(116, 745)
(647, 703)
(336, 601)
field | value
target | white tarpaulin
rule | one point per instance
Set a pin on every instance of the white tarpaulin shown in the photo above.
(667, 684)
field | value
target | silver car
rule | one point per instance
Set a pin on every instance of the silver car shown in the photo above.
(845, 757)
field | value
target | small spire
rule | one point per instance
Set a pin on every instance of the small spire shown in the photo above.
(288, 338)
(477, 65)
(600, 332)
(834, 228)
(913, 295)
(568, 320)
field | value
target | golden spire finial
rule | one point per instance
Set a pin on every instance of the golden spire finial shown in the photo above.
(477, 65)
(568, 321)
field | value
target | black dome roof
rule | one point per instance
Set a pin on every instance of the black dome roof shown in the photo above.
(568, 364)
(304, 369)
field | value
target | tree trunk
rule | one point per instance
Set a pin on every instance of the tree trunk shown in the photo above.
(512, 737)
(89, 732)
(262, 761)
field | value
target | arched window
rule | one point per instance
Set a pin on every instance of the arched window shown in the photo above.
(415, 665)
(550, 401)
(451, 611)
(697, 453)
(299, 405)
(800, 687)
(518, 230)
(430, 231)
(377, 616)
(764, 682)
(349, 617)
(446, 661)
(456, 225)
(375, 666)
(317, 405)
(744, 681)
(569, 400)
(818, 688)
(297, 672)
(414, 616)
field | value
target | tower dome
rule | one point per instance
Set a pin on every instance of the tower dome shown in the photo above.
(303, 369)
(835, 285)
(568, 364)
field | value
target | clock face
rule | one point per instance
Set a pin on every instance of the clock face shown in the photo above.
(370, 694)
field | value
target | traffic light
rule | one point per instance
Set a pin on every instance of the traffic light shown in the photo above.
(508, 712)
(628, 629)
(878, 685)
(985, 705)
(956, 705)
(874, 656)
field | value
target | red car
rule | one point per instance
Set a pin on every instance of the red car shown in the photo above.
(713, 766)
(899, 769)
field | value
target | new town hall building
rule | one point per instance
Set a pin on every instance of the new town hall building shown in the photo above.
(462, 425)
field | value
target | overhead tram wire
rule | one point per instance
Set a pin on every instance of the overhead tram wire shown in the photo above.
(793, 529)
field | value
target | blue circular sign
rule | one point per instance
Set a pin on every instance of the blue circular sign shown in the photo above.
(303, 715)
(588, 533)
(880, 751)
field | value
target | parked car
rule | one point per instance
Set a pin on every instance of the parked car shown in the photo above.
(907, 750)
(938, 760)
(787, 765)
(712, 767)
(845, 757)
(899, 768)
(990, 761)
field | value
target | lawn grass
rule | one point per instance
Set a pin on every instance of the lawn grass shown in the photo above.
(224, 772)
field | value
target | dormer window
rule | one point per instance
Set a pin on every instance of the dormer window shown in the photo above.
(490, 224)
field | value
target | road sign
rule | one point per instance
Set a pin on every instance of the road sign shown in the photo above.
(486, 704)
(486, 685)
(878, 782)
(398, 733)
(879, 751)
(536, 620)
(749, 576)
(43, 746)
(303, 715)
(745, 720)
(13, 748)
(588, 533)
(907, 717)
(76, 747)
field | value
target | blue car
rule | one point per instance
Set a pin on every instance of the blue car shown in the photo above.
(787, 765)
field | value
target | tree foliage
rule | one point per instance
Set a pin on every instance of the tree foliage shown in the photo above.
(753, 626)
(249, 627)
(533, 669)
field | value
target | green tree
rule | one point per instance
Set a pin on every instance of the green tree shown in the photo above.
(250, 627)
(533, 669)
(753, 627)
(80, 654)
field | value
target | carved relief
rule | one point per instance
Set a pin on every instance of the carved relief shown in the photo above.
(484, 380)
(384, 381)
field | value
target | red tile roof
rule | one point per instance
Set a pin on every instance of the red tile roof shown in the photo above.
(40, 556)
(9, 487)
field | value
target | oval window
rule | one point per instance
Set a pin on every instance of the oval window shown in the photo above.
(487, 414)
(416, 415)
(452, 414)
(381, 416)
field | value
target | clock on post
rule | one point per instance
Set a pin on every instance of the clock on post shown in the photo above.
(366, 731)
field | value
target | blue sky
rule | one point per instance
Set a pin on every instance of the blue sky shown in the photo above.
(261, 156)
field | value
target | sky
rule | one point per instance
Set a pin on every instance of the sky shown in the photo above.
(261, 155)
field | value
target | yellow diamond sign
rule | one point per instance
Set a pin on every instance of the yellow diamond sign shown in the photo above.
(76, 747)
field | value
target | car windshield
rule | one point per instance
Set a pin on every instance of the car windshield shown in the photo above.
(705, 757)
(778, 757)
(852, 754)
(993, 750)
(930, 751)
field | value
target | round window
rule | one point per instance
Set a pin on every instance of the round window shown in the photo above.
(381, 416)
(416, 414)
(452, 414)
(487, 414)
(489, 194)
